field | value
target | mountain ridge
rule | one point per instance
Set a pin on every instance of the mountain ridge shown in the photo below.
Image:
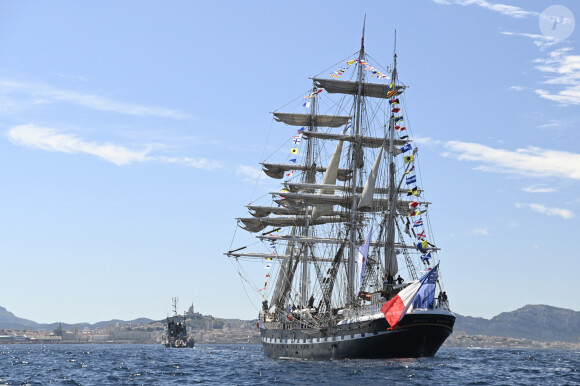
(537, 322)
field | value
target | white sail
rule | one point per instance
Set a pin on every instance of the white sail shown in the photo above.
(363, 253)
(328, 179)
(366, 200)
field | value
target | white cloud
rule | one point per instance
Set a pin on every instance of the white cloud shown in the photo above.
(517, 88)
(427, 141)
(553, 123)
(532, 161)
(198, 163)
(539, 39)
(564, 213)
(42, 93)
(538, 189)
(52, 140)
(480, 231)
(249, 173)
(504, 9)
(562, 69)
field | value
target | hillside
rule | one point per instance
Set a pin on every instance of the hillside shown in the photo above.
(541, 323)
(8, 321)
(536, 322)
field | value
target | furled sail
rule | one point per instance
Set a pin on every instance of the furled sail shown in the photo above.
(309, 120)
(364, 140)
(374, 90)
(297, 200)
(304, 186)
(264, 211)
(255, 224)
(277, 170)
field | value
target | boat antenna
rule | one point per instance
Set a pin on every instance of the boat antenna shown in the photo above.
(362, 40)
(394, 75)
(395, 45)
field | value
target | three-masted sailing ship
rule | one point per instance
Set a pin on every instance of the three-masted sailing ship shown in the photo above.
(346, 239)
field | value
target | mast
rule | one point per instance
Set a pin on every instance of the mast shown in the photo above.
(309, 177)
(356, 160)
(393, 191)
(174, 304)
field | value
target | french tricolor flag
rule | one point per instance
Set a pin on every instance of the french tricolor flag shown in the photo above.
(397, 307)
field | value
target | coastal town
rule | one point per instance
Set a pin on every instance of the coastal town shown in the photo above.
(204, 328)
(209, 330)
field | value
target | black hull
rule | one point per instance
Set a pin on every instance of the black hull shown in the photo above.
(417, 335)
(189, 345)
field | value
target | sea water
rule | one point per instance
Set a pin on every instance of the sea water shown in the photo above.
(218, 364)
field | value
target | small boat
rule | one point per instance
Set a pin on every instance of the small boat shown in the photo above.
(176, 334)
(349, 271)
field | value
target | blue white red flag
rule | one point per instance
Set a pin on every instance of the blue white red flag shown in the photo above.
(396, 308)
(426, 294)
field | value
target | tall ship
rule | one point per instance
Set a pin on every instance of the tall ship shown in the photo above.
(350, 262)
(176, 335)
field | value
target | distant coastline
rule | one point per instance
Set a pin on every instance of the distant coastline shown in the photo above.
(532, 326)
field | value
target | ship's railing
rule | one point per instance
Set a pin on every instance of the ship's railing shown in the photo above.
(441, 304)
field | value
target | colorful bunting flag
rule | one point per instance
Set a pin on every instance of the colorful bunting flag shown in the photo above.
(426, 257)
(411, 180)
(295, 150)
(397, 119)
(422, 245)
(394, 101)
(413, 205)
(406, 148)
(409, 158)
(410, 170)
(421, 235)
(413, 192)
(395, 110)
(392, 93)
(412, 214)
(418, 223)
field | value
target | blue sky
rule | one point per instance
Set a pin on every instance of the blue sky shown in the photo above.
(131, 132)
